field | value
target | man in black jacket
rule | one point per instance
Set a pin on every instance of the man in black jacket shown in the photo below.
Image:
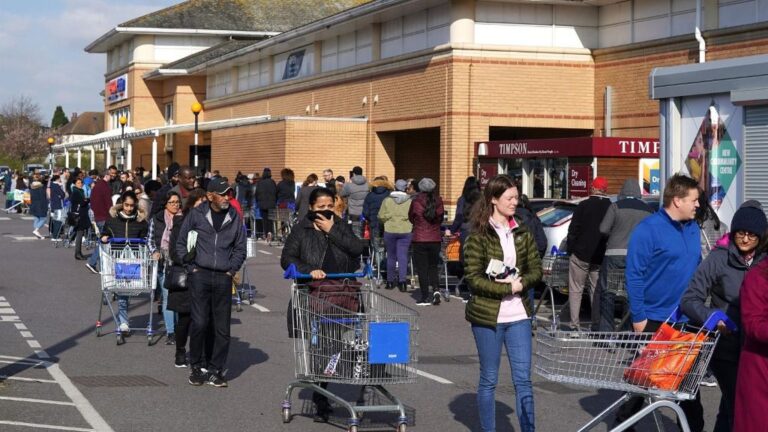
(220, 249)
(587, 248)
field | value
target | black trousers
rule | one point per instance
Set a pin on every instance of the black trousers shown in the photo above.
(693, 410)
(426, 259)
(211, 311)
(266, 223)
(725, 372)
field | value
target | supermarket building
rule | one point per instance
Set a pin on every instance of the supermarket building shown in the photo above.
(407, 88)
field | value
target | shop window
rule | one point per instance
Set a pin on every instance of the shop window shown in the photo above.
(558, 178)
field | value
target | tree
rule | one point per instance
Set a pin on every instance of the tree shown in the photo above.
(23, 136)
(59, 118)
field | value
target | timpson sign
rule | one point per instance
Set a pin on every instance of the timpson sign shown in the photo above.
(573, 147)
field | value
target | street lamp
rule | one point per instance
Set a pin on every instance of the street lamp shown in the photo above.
(123, 121)
(50, 153)
(196, 108)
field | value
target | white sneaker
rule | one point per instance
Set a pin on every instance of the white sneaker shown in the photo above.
(38, 235)
(124, 328)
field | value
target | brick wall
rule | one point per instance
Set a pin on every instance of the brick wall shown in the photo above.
(249, 148)
(617, 170)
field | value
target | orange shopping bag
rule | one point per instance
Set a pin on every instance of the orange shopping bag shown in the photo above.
(665, 365)
(453, 249)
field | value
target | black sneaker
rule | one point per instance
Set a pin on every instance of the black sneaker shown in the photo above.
(402, 287)
(181, 360)
(390, 285)
(435, 298)
(170, 339)
(425, 301)
(197, 377)
(215, 379)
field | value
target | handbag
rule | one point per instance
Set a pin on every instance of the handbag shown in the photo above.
(665, 365)
(176, 278)
(73, 218)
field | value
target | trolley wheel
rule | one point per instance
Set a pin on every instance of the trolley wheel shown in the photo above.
(401, 427)
(149, 340)
(286, 415)
(120, 339)
(98, 331)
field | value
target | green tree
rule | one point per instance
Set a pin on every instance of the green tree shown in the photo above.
(59, 118)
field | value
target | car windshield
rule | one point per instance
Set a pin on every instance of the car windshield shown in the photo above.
(555, 215)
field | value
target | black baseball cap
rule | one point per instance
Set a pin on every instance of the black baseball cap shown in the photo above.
(218, 186)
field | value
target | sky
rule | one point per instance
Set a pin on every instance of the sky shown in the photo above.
(41, 47)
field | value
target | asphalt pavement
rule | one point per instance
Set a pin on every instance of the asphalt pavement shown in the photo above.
(58, 375)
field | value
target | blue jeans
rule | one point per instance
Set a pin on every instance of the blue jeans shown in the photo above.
(39, 222)
(168, 316)
(94, 259)
(397, 255)
(516, 337)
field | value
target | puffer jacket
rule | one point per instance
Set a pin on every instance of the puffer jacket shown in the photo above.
(719, 277)
(355, 192)
(39, 205)
(306, 247)
(394, 213)
(480, 248)
(117, 226)
(425, 231)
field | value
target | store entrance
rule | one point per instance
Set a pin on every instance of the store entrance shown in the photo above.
(539, 178)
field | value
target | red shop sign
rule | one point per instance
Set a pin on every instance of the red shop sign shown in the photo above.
(488, 170)
(574, 147)
(579, 180)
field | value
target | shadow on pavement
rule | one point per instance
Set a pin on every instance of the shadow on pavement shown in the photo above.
(464, 409)
(241, 357)
(595, 404)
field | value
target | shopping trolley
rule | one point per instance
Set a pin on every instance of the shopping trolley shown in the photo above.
(555, 277)
(282, 220)
(663, 370)
(616, 287)
(127, 269)
(373, 345)
(450, 255)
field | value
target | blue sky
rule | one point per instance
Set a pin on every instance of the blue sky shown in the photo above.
(41, 47)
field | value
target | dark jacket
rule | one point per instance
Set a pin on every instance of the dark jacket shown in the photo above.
(306, 247)
(371, 207)
(622, 217)
(286, 191)
(534, 226)
(584, 238)
(222, 250)
(719, 278)
(179, 299)
(57, 196)
(302, 201)
(119, 227)
(266, 193)
(480, 248)
(160, 197)
(156, 228)
(80, 207)
(101, 200)
(425, 231)
(39, 205)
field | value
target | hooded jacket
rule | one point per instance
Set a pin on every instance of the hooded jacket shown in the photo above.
(394, 213)
(622, 217)
(719, 277)
(266, 192)
(372, 204)
(118, 226)
(223, 250)
(355, 191)
(584, 239)
(39, 205)
(57, 196)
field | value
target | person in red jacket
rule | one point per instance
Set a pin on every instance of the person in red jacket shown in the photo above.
(426, 215)
(101, 202)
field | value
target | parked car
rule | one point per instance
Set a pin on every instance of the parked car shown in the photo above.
(557, 219)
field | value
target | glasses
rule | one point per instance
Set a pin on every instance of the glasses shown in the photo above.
(746, 235)
(173, 202)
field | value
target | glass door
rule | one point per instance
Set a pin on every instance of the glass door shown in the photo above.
(557, 184)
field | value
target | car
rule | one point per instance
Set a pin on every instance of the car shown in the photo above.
(556, 219)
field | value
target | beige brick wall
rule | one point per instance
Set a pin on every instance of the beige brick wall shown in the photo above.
(312, 146)
(249, 149)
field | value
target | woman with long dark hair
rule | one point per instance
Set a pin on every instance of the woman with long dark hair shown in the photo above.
(78, 217)
(160, 227)
(426, 215)
(499, 315)
(266, 195)
(286, 189)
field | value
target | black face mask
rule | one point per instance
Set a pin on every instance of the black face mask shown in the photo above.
(313, 215)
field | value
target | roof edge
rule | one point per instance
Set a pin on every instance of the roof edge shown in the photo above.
(94, 47)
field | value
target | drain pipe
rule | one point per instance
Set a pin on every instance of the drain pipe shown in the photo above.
(699, 37)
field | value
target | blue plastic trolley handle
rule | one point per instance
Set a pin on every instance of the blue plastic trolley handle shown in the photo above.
(710, 324)
(127, 240)
(293, 273)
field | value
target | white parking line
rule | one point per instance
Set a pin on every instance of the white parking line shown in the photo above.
(41, 401)
(45, 426)
(26, 334)
(428, 375)
(9, 318)
(20, 326)
(5, 218)
(33, 344)
(265, 252)
(7, 310)
(259, 307)
(86, 409)
(4, 304)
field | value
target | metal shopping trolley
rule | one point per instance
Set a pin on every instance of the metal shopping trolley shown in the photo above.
(663, 370)
(450, 255)
(371, 344)
(283, 221)
(555, 277)
(127, 269)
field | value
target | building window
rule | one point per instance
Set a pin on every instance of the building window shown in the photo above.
(220, 84)
(114, 117)
(169, 114)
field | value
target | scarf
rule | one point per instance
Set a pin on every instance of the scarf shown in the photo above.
(165, 240)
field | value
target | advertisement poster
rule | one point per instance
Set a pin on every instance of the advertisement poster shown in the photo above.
(711, 142)
(117, 89)
(650, 183)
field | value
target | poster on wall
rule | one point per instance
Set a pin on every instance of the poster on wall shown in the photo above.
(711, 143)
(650, 183)
(117, 89)
(579, 180)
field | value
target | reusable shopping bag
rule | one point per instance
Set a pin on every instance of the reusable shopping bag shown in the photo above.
(664, 365)
(128, 269)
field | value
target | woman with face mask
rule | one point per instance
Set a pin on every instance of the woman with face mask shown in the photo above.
(320, 244)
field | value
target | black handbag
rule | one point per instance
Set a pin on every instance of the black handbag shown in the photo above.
(73, 218)
(176, 278)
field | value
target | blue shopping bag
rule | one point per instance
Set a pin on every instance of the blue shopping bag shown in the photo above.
(389, 342)
(128, 270)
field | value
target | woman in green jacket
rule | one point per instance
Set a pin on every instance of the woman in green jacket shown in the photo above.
(397, 234)
(499, 316)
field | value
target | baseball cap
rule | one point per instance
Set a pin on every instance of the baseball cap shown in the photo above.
(600, 183)
(218, 186)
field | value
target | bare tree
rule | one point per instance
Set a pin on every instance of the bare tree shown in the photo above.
(22, 135)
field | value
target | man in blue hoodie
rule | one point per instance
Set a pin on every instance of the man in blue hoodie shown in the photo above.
(663, 254)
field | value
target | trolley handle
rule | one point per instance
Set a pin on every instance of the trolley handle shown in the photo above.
(710, 324)
(293, 273)
(124, 240)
